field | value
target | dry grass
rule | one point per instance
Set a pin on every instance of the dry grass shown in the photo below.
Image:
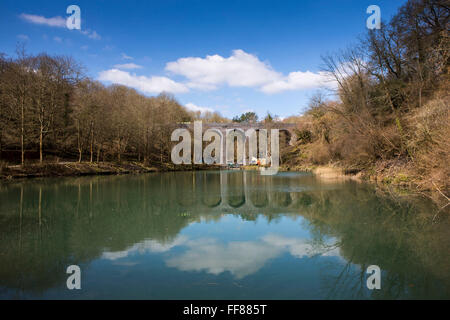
(430, 144)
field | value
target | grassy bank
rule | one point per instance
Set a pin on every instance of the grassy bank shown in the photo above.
(61, 169)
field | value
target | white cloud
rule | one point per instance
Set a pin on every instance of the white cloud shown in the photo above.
(196, 108)
(127, 66)
(52, 22)
(56, 22)
(126, 57)
(145, 84)
(57, 39)
(298, 81)
(201, 86)
(241, 69)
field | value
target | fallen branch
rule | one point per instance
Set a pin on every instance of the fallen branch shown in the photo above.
(440, 191)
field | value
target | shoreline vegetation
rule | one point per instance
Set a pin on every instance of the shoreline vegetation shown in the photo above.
(387, 120)
(73, 169)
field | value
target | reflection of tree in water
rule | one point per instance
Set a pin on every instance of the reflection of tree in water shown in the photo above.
(282, 199)
(189, 184)
(79, 222)
(81, 218)
(397, 235)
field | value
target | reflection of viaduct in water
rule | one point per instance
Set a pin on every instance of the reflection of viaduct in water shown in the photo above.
(241, 191)
(286, 128)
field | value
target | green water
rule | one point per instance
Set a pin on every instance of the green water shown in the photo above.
(218, 235)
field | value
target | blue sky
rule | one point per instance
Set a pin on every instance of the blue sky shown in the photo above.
(229, 56)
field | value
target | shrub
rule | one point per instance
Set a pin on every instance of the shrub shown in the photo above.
(3, 165)
(303, 136)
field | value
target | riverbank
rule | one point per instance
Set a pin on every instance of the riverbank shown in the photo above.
(64, 169)
(393, 176)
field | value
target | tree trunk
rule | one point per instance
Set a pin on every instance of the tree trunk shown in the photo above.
(80, 149)
(92, 142)
(98, 153)
(22, 134)
(144, 154)
(118, 147)
(41, 133)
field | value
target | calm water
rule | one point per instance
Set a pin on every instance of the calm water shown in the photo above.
(218, 235)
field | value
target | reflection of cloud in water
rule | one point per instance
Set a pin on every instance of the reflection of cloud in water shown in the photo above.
(143, 247)
(299, 247)
(296, 247)
(241, 258)
(125, 263)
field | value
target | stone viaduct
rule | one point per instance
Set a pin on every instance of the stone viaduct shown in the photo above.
(287, 128)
